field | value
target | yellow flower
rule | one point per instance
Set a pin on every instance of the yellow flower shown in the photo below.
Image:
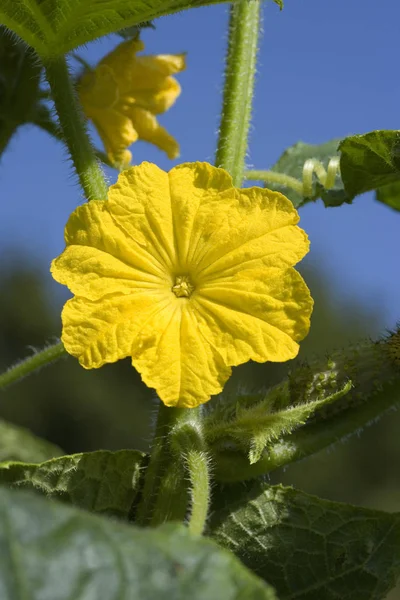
(185, 274)
(123, 94)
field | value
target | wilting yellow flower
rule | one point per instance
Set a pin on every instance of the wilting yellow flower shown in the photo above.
(123, 94)
(185, 274)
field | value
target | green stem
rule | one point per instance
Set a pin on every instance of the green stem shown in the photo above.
(188, 445)
(232, 466)
(172, 498)
(178, 450)
(198, 467)
(74, 130)
(240, 70)
(160, 459)
(31, 364)
(274, 177)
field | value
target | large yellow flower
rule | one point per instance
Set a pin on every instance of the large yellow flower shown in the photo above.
(185, 274)
(123, 94)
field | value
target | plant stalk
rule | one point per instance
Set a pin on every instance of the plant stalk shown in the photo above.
(74, 129)
(160, 460)
(274, 177)
(32, 363)
(244, 27)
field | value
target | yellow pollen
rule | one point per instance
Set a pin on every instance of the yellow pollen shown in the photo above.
(183, 286)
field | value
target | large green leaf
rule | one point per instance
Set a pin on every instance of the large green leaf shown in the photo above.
(102, 481)
(17, 443)
(54, 552)
(54, 27)
(309, 548)
(370, 161)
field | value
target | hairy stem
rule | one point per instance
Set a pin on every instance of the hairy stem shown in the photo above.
(160, 460)
(198, 467)
(273, 177)
(74, 130)
(32, 363)
(188, 445)
(244, 27)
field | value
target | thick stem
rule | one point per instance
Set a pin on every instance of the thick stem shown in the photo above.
(274, 177)
(160, 460)
(198, 467)
(188, 445)
(74, 130)
(240, 70)
(31, 364)
(172, 497)
(178, 452)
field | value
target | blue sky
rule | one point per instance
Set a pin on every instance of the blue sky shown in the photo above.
(326, 70)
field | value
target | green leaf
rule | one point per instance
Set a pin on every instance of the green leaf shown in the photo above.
(102, 481)
(54, 27)
(20, 73)
(370, 161)
(54, 552)
(17, 443)
(390, 195)
(292, 163)
(309, 548)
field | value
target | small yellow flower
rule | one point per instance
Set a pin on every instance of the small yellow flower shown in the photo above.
(123, 94)
(185, 274)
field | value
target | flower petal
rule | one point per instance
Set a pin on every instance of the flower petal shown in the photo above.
(259, 229)
(173, 357)
(140, 205)
(102, 332)
(162, 64)
(156, 100)
(93, 274)
(149, 130)
(92, 226)
(117, 133)
(195, 186)
(256, 314)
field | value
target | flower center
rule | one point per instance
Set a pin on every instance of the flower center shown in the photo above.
(183, 286)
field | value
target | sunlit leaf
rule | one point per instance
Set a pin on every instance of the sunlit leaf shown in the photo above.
(371, 161)
(102, 481)
(309, 548)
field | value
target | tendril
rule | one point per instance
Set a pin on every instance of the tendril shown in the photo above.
(325, 177)
(304, 187)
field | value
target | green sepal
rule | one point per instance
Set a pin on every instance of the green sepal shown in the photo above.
(102, 482)
(306, 547)
(346, 391)
(252, 426)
